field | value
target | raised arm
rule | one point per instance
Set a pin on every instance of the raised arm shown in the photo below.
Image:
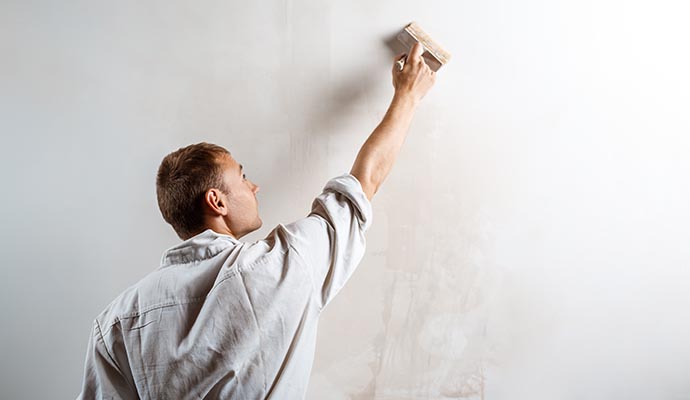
(378, 153)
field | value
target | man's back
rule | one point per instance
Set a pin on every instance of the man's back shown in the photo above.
(221, 318)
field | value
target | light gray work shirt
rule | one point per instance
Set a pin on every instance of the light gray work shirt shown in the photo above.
(225, 319)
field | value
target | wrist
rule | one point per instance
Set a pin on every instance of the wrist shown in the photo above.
(405, 99)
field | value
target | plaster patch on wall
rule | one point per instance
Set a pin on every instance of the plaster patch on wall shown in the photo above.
(434, 342)
(345, 376)
(443, 336)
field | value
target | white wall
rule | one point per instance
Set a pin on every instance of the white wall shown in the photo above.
(532, 242)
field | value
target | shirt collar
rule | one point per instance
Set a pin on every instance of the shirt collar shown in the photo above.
(200, 247)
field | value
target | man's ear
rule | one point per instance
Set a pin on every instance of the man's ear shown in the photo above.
(215, 201)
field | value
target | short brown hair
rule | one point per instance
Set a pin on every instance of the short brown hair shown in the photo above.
(183, 178)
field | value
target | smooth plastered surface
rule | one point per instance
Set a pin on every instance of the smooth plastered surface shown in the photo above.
(532, 241)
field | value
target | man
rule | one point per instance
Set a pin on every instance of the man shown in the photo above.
(225, 319)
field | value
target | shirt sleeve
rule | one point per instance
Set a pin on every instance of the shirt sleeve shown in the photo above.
(103, 379)
(331, 238)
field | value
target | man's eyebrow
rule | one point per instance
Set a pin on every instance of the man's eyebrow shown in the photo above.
(241, 167)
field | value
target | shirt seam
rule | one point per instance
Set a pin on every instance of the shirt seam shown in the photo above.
(138, 313)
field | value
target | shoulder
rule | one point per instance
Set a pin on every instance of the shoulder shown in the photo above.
(277, 244)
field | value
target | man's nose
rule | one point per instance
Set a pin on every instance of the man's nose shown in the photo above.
(256, 188)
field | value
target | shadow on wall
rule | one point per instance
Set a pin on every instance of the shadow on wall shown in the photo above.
(310, 126)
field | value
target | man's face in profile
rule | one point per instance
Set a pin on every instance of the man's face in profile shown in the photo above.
(241, 198)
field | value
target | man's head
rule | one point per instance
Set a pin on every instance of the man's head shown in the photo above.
(201, 186)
